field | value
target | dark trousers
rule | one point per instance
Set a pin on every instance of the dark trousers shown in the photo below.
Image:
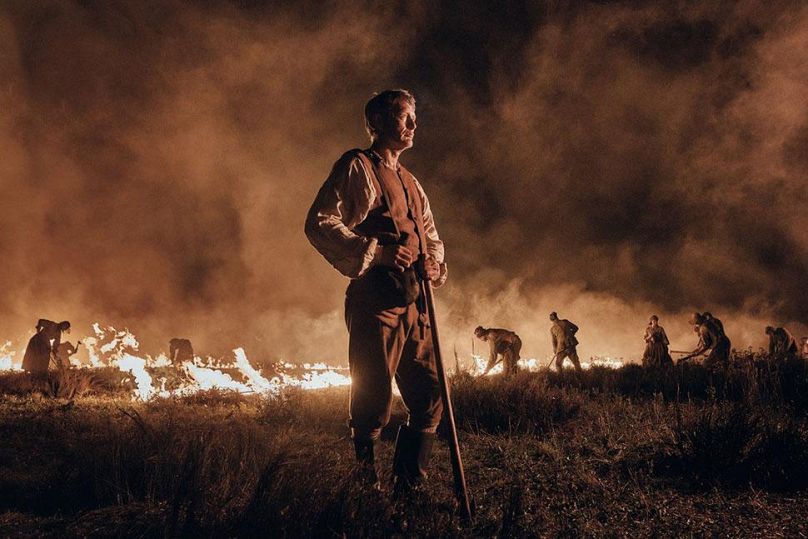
(383, 345)
(571, 353)
(510, 356)
(719, 355)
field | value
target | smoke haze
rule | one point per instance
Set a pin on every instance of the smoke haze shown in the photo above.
(608, 160)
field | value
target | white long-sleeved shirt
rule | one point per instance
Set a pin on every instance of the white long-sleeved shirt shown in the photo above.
(343, 202)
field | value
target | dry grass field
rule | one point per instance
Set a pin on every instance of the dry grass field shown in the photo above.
(610, 453)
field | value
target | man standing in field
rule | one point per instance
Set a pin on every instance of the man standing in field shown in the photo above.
(782, 344)
(564, 341)
(371, 220)
(502, 343)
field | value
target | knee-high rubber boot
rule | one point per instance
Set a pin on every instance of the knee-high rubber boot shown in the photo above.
(411, 458)
(366, 458)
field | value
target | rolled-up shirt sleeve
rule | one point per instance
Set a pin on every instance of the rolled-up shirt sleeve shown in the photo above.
(342, 203)
(434, 245)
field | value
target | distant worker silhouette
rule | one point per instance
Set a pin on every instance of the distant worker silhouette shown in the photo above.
(712, 338)
(64, 352)
(43, 346)
(710, 318)
(782, 344)
(180, 350)
(502, 343)
(564, 342)
(656, 347)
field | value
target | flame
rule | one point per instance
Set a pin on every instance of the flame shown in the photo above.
(7, 362)
(603, 361)
(326, 378)
(253, 376)
(525, 364)
(206, 378)
(316, 376)
(160, 361)
(111, 347)
(534, 365)
(137, 366)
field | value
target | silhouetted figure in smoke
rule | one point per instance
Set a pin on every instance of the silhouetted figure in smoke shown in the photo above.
(180, 350)
(711, 338)
(43, 345)
(63, 353)
(564, 342)
(502, 343)
(718, 323)
(656, 348)
(371, 219)
(782, 344)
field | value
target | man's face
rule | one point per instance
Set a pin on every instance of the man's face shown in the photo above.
(398, 129)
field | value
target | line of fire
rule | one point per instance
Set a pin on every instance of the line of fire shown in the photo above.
(181, 372)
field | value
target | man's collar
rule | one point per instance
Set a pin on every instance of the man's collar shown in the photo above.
(381, 160)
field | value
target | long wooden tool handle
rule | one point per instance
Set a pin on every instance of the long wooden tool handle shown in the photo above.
(461, 490)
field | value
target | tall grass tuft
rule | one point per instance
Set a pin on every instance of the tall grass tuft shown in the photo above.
(524, 403)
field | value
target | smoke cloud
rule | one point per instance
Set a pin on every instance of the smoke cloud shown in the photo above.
(605, 160)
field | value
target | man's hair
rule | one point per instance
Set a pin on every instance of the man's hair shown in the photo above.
(64, 325)
(769, 329)
(383, 104)
(553, 315)
(654, 317)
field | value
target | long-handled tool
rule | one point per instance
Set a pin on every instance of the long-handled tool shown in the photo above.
(555, 356)
(461, 491)
(687, 355)
(489, 367)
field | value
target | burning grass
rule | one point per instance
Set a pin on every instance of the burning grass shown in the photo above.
(146, 377)
(609, 452)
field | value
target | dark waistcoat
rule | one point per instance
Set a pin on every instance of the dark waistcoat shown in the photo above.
(399, 213)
